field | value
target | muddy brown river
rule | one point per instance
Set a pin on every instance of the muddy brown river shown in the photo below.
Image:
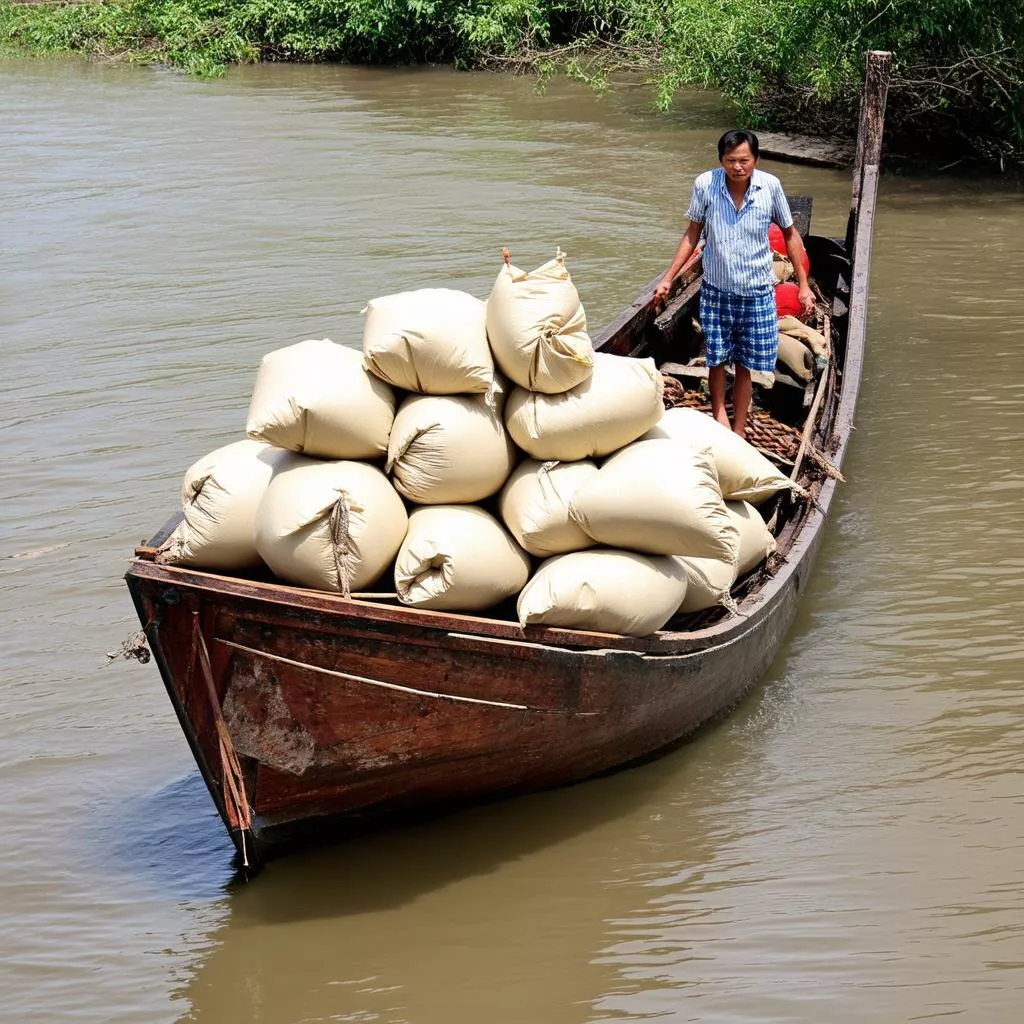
(847, 846)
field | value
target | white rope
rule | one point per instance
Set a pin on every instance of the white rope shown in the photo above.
(387, 686)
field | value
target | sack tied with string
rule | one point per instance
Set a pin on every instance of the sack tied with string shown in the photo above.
(458, 558)
(744, 474)
(220, 495)
(329, 525)
(615, 405)
(538, 329)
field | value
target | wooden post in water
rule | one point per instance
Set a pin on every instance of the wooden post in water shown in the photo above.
(869, 138)
(862, 215)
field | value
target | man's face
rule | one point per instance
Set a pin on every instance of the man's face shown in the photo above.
(739, 162)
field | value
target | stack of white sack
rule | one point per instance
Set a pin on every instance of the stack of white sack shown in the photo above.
(316, 398)
(220, 496)
(656, 509)
(333, 525)
(650, 502)
(744, 474)
(605, 591)
(450, 449)
(711, 579)
(458, 557)
(660, 496)
(614, 406)
(538, 329)
(534, 505)
(432, 341)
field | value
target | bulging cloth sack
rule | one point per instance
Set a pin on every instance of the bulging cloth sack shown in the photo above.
(219, 498)
(711, 579)
(615, 405)
(795, 355)
(537, 327)
(450, 450)
(433, 341)
(534, 505)
(744, 474)
(815, 340)
(315, 397)
(658, 496)
(460, 558)
(329, 525)
(604, 590)
(783, 268)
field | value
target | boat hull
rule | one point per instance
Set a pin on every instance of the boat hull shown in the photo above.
(337, 716)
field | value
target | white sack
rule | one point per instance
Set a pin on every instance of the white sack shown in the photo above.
(658, 496)
(605, 591)
(795, 328)
(315, 397)
(620, 401)
(448, 449)
(535, 506)
(329, 525)
(783, 267)
(711, 579)
(219, 498)
(744, 474)
(458, 557)
(795, 355)
(537, 327)
(756, 540)
(432, 340)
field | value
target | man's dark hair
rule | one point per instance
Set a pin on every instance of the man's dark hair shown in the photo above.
(730, 140)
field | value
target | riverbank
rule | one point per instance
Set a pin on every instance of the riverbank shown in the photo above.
(957, 94)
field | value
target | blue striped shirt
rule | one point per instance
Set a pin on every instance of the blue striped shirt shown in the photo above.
(736, 254)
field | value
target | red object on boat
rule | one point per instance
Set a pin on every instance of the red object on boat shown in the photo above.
(777, 243)
(787, 299)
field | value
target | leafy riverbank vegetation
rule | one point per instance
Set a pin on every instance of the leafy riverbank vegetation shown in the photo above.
(957, 94)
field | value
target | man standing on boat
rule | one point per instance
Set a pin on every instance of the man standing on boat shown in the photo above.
(733, 206)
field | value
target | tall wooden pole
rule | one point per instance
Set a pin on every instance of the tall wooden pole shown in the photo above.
(862, 219)
(869, 135)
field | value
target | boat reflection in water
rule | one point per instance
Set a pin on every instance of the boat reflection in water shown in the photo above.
(579, 890)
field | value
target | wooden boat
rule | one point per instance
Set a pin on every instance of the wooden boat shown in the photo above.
(306, 709)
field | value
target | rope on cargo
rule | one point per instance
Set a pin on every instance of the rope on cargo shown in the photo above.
(340, 546)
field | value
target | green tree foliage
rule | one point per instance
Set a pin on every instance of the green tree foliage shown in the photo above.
(958, 89)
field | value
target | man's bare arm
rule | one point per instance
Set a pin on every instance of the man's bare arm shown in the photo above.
(795, 251)
(684, 252)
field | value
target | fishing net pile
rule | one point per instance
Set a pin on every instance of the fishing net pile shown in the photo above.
(476, 454)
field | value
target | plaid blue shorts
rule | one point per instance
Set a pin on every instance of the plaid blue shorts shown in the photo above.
(740, 329)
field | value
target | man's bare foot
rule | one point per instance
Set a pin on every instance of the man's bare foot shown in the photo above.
(742, 431)
(723, 417)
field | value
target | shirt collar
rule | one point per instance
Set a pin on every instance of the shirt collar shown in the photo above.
(756, 183)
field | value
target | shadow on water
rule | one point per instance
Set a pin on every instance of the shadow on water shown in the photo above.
(171, 839)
